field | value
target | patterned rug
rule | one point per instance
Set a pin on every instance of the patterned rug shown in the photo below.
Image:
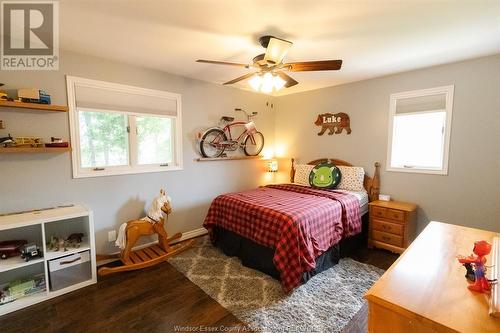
(326, 303)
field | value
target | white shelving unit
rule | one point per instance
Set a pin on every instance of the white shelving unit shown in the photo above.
(37, 227)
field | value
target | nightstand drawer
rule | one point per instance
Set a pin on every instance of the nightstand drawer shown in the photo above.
(378, 211)
(393, 214)
(385, 226)
(396, 215)
(387, 238)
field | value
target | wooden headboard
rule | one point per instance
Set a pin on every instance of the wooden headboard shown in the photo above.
(371, 184)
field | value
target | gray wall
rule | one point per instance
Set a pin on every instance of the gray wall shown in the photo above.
(42, 180)
(469, 195)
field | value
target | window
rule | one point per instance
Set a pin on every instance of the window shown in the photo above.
(118, 129)
(419, 131)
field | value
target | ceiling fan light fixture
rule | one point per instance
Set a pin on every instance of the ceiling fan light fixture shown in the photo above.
(255, 82)
(278, 82)
(267, 83)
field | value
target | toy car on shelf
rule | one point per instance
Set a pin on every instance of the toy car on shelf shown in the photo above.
(11, 248)
(28, 141)
(31, 251)
(33, 95)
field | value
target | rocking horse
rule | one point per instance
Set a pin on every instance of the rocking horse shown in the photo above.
(131, 231)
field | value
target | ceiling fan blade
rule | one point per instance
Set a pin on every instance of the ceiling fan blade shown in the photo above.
(276, 50)
(241, 78)
(222, 63)
(305, 66)
(290, 82)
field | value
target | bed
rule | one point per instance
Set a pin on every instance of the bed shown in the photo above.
(290, 231)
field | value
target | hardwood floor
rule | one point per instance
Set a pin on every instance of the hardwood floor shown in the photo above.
(156, 299)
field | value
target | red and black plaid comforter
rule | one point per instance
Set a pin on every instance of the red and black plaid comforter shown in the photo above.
(299, 222)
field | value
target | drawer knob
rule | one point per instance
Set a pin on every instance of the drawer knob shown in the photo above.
(386, 238)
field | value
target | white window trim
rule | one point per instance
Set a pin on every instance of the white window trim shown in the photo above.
(449, 91)
(78, 172)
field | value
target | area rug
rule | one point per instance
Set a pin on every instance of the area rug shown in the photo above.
(326, 303)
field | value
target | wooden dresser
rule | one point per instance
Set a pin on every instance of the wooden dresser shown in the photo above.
(392, 225)
(425, 289)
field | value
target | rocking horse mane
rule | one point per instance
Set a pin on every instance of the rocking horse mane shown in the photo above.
(155, 211)
(147, 225)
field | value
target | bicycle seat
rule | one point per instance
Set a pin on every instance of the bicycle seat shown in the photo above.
(228, 119)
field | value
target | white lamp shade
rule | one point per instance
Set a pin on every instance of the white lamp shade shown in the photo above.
(272, 166)
(278, 82)
(255, 82)
(267, 83)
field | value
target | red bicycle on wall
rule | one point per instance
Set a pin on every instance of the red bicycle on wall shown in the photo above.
(215, 140)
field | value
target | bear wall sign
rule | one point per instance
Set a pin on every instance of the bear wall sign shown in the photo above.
(334, 123)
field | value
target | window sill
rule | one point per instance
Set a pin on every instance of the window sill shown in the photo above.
(415, 170)
(105, 173)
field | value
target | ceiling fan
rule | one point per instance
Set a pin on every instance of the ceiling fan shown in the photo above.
(270, 69)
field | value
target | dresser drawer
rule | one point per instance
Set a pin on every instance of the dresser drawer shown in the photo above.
(385, 226)
(387, 238)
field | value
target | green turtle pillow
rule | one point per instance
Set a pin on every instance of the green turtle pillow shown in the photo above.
(325, 175)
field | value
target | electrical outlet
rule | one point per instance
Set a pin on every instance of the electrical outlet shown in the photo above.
(111, 236)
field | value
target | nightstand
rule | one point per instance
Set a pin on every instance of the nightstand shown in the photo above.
(392, 225)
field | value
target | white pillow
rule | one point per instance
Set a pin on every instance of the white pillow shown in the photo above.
(302, 172)
(352, 178)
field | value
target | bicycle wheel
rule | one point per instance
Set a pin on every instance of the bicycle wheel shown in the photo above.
(254, 147)
(209, 144)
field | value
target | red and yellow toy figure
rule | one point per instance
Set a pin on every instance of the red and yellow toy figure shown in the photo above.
(477, 260)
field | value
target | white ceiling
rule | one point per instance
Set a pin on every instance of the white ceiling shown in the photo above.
(373, 38)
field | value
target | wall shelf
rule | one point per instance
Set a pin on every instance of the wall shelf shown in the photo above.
(228, 158)
(31, 150)
(34, 106)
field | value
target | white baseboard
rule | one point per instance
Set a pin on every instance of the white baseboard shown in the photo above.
(185, 236)
(191, 234)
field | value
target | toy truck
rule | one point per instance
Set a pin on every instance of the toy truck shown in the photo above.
(31, 251)
(11, 248)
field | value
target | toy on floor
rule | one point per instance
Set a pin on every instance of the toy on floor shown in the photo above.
(130, 232)
(477, 260)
